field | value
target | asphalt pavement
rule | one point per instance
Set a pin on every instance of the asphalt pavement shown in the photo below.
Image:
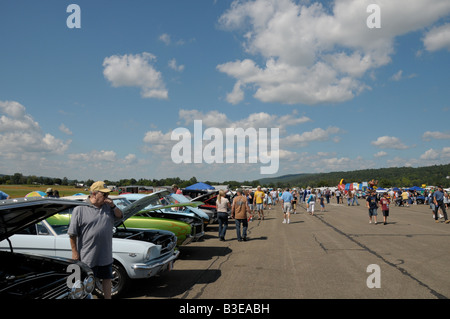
(334, 254)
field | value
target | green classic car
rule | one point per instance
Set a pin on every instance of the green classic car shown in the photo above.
(181, 229)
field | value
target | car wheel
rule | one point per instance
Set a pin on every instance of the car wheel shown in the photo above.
(119, 283)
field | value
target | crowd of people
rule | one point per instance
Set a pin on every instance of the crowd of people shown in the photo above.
(262, 199)
(90, 229)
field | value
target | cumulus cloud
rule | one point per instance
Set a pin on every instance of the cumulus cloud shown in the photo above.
(174, 66)
(432, 154)
(316, 135)
(389, 142)
(380, 154)
(237, 95)
(428, 135)
(63, 128)
(135, 70)
(165, 38)
(312, 53)
(438, 38)
(255, 120)
(95, 156)
(21, 135)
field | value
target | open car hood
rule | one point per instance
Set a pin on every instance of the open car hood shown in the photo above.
(17, 214)
(151, 202)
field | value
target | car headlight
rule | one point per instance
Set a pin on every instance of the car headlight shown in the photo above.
(77, 290)
(153, 252)
(89, 284)
(148, 255)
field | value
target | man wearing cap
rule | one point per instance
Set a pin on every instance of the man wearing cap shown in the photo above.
(91, 231)
(49, 192)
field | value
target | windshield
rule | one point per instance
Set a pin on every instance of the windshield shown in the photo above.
(121, 202)
(60, 222)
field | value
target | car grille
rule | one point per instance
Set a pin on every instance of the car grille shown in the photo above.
(167, 242)
(197, 228)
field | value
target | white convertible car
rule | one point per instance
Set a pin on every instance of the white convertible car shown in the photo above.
(137, 253)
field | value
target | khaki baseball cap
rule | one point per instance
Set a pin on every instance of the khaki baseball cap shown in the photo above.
(99, 187)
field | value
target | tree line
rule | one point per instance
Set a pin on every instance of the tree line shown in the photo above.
(387, 177)
(20, 179)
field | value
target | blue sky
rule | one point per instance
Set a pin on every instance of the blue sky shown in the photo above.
(101, 101)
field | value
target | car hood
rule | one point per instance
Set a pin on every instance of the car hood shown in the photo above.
(155, 201)
(149, 203)
(193, 208)
(17, 214)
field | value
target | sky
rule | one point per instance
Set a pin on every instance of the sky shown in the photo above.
(151, 89)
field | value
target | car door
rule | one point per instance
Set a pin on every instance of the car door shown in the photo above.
(35, 239)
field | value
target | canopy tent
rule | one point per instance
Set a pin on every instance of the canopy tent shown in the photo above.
(381, 190)
(416, 188)
(36, 194)
(199, 186)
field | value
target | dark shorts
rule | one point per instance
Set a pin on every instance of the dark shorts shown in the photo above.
(103, 272)
(386, 213)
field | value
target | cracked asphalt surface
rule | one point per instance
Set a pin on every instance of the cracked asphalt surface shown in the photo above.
(320, 257)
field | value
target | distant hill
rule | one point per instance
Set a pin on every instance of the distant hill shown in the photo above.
(392, 176)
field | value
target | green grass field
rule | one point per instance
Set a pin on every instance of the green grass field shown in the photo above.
(17, 191)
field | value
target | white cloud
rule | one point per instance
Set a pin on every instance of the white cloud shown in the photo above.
(95, 156)
(329, 162)
(130, 159)
(174, 66)
(397, 76)
(21, 136)
(314, 54)
(237, 95)
(135, 71)
(65, 129)
(380, 154)
(160, 143)
(317, 134)
(255, 120)
(165, 38)
(432, 154)
(389, 142)
(438, 38)
(428, 135)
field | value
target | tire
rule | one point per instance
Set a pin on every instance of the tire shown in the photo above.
(119, 283)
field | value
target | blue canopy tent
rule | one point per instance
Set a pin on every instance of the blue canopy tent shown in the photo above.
(199, 186)
(416, 188)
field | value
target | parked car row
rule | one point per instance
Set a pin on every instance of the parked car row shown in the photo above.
(35, 249)
(34, 246)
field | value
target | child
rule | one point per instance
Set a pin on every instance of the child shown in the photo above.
(372, 204)
(384, 201)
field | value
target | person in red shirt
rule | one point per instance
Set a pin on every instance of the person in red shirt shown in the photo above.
(384, 201)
